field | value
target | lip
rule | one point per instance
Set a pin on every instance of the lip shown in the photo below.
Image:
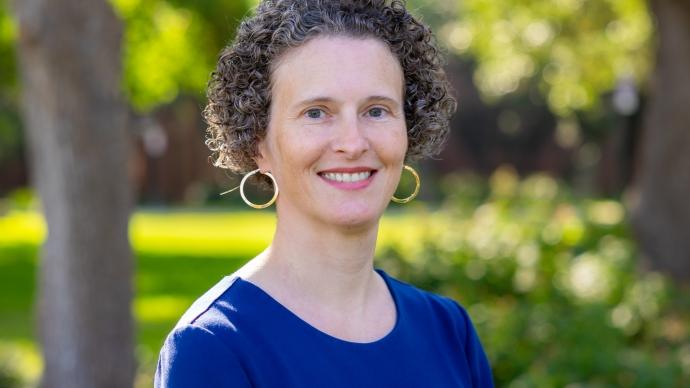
(349, 170)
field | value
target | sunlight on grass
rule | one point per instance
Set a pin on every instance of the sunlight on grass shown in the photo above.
(202, 234)
(160, 308)
(215, 234)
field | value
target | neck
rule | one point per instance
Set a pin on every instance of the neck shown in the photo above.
(320, 264)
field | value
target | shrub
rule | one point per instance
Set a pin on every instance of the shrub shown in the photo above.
(551, 282)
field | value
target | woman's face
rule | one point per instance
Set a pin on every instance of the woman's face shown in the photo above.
(337, 137)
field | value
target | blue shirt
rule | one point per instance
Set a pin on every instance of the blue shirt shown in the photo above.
(237, 335)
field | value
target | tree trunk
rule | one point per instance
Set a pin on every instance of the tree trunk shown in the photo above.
(69, 53)
(661, 209)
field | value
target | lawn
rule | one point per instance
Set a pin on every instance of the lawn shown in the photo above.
(179, 254)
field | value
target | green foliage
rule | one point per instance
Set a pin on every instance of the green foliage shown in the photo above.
(10, 135)
(575, 50)
(11, 140)
(171, 46)
(8, 65)
(551, 284)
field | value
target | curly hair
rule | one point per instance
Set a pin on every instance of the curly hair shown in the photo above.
(239, 91)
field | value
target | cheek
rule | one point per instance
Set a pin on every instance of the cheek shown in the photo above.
(405, 141)
(395, 145)
(298, 152)
(392, 154)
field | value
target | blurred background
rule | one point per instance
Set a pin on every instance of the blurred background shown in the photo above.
(557, 215)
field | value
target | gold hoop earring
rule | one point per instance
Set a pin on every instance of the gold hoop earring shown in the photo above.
(248, 202)
(418, 185)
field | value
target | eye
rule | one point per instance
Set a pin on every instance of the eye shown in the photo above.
(377, 112)
(315, 113)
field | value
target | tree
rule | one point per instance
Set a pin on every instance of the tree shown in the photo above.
(74, 115)
(661, 210)
(576, 52)
(75, 118)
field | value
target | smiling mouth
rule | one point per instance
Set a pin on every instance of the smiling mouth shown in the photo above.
(349, 178)
(345, 177)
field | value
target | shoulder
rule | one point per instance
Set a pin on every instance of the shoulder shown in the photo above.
(216, 311)
(417, 294)
(197, 350)
(205, 303)
(194, 356)
(438, 306)
(447, 318)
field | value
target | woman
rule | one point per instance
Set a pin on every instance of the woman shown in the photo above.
(324, 101)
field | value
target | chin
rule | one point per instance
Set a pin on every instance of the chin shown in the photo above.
(355, 218)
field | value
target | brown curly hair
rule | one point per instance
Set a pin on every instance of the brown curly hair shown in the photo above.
(239, 91)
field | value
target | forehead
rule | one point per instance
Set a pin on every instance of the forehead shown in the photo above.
(338, 65)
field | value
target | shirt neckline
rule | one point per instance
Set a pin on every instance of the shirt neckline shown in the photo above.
(386, 338)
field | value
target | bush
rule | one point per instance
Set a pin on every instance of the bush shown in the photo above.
(551, 283)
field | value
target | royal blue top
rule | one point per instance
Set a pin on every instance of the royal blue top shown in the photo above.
(237, 335)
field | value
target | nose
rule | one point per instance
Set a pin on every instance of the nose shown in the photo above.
(350, 139)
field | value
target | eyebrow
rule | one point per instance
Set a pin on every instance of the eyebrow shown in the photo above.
(325, 99)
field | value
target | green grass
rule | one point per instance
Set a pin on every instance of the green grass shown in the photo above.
(178, 256)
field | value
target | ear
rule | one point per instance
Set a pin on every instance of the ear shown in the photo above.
(262, 158)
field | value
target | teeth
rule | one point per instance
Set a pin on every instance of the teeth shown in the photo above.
(345, 177)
